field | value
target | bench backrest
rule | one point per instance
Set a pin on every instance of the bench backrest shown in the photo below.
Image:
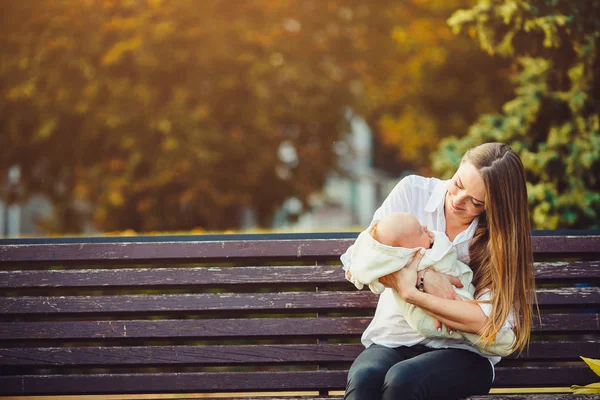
(241, 315)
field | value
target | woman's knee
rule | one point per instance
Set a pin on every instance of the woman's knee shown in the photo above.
(365, 381)
(401, 382)
(367, 374)
(371, 365)
(440, 374)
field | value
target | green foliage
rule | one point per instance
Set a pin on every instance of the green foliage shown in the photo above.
(554, 120)
(432, 84)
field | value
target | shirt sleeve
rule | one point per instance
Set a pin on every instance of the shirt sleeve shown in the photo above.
(398, 200)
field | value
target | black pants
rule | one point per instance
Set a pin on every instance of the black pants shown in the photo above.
(417, 372)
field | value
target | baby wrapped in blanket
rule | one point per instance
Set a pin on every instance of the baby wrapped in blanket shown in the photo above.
(391, 244)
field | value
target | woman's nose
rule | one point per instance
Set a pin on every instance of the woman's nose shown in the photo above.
(460, 197)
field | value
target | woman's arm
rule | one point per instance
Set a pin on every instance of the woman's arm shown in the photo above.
(452, 312)
(457, 315)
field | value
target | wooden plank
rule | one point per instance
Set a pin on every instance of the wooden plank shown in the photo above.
(546, 375)
(240, 328)
(566, 244)
(530, 396)
(562, 270)
(157, 277)
(537, 396)
(495, 396)
(584, 322)
(231, 250)
(578, 296)
(160, 252)
(559, 349)
(104, 356)
(210, 277)
(173, 355)
(227, 302)
(205, 302)
(171, 382)
(251, 381)
(199, 328)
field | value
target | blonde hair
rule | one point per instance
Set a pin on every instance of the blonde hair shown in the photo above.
(500, 252)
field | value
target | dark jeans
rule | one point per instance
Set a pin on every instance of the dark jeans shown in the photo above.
(417, 372)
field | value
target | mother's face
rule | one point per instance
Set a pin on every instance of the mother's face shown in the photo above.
(465, 199)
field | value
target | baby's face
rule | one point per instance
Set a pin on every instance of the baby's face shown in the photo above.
(419, 236)
(402, 230)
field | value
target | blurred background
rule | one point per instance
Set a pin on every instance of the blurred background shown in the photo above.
(198, 116)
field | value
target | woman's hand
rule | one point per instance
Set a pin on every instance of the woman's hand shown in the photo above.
(403, 280)
(435, 283)
(440, 285)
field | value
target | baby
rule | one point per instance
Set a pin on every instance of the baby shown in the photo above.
(390, 245)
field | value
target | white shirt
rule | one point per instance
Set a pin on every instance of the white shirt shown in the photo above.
(424, 199)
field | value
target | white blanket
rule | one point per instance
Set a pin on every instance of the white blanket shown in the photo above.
(372, 260)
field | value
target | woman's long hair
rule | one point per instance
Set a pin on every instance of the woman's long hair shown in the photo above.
(500, 253)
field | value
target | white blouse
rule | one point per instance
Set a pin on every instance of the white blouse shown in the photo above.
(424, 199)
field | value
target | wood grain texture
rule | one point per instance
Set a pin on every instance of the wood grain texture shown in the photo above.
(174, 355)
(227, 302)
(50, 342)
(232, 250)
(243, 354)
(250, 381)
(238, 276)
(251, 328)
(529, 396)
(199, 328)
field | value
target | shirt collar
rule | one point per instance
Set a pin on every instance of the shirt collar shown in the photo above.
(437, 196)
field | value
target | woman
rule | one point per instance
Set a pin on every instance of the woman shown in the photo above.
(483, 210)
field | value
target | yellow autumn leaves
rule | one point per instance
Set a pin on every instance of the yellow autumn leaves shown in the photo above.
(592, 388)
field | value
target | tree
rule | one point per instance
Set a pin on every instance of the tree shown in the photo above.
(169, 115)
(553, 122)
(431, 84)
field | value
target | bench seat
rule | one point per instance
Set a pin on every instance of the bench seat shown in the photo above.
(249, 315)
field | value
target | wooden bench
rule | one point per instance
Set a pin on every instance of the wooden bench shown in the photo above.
(192, 316)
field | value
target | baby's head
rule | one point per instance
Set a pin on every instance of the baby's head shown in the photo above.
(402, 230)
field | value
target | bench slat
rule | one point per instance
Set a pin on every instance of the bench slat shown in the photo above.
(546, 375)
(132, 277)
(170, 277)
(242, 354)
(559, 349)
(495, 396)
(560, 270)
(253, 381)
(205, 302)
(202, 329)
(536, 396)
(236, 328)
(171, 382)
(231, 250)
(168, 355)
